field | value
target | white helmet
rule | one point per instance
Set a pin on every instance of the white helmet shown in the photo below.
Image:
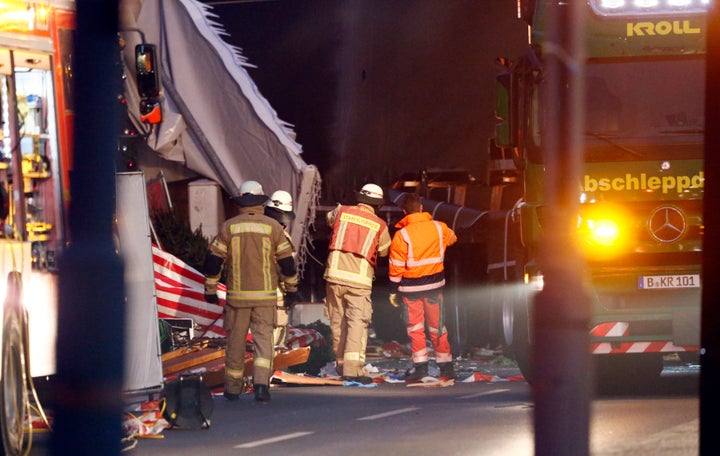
(371, 194)
(251, 187)
(280, 199)
(250, 193)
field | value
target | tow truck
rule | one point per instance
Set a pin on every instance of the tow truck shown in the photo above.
(640, 222)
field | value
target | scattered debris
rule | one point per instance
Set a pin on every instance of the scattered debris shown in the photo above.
(431, 382)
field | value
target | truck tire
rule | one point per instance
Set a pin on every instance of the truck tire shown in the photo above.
(13, 392)
(516, 320)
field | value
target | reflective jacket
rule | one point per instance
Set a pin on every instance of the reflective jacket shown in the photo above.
(251, 245)
(417, 253)
(359, 237)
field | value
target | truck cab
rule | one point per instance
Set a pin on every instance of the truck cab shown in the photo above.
(640, 222)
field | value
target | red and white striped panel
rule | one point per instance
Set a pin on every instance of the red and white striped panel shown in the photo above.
(180, 292)
(303, 337)
(621, 328)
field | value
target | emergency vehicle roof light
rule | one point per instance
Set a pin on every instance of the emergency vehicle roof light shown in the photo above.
(634, 8)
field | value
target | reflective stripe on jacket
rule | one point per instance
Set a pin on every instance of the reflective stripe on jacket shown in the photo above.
(355, 230)
(346, 264)
(250, 246)
(417, 253)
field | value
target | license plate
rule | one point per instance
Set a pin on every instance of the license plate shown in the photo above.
(669, 281)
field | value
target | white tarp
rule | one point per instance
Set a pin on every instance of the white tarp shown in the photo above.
(215, 120)
(143, 362)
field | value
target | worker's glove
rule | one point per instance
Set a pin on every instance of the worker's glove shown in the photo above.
(212, 298)
(394, 300)
(291, 297)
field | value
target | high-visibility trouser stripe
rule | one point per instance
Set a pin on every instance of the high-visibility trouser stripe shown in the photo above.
(420, 356)
(351, 356)
(262, 362)
(234, 373)
(443, 357)
(416, 327)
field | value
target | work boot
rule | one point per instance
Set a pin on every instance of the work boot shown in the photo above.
(362, 379)
(231, 396)
(420, 371)
(262, 393)
(447, 370)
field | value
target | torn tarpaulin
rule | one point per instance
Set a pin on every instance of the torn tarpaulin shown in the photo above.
(479, 377)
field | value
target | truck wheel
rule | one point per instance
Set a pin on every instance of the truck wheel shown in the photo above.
(516, 326)
(13, 392)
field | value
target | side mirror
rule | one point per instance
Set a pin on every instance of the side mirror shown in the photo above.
(147, 71)
(151, 111)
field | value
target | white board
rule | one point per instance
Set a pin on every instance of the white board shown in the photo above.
(143, 356)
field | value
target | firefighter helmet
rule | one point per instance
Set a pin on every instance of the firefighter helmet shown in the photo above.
(280, 207)
(280, 199)
(250, 193)
(371, 194)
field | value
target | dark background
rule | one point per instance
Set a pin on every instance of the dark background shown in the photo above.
(375, 88)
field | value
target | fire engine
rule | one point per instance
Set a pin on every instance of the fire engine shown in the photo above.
(640, 222)
(36, 114)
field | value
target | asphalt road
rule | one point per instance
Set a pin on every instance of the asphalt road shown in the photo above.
(478, 418)
(467, 419)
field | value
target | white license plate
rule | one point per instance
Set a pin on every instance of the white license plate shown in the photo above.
(669, 281)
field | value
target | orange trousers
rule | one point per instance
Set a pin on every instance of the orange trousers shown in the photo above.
(427, 309)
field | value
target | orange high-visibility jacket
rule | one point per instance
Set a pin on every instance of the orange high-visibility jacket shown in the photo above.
(417, 253)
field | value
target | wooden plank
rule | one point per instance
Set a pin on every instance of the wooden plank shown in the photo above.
(284, 359)
(434, 383)
(193, 359)
(305, 380)
(182, 351)
(211, 358)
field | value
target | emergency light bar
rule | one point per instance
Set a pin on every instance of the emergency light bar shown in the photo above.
(633, 8)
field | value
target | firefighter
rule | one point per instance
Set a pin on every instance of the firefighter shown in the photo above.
(280, 207)
(416, 270)
(359, 236)
(252, 247)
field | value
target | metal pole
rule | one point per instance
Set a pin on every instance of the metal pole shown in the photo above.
(90, 350)
(710, 336)
(19, 213)
(562, 376)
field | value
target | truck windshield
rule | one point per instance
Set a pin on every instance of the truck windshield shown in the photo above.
(645, 109)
